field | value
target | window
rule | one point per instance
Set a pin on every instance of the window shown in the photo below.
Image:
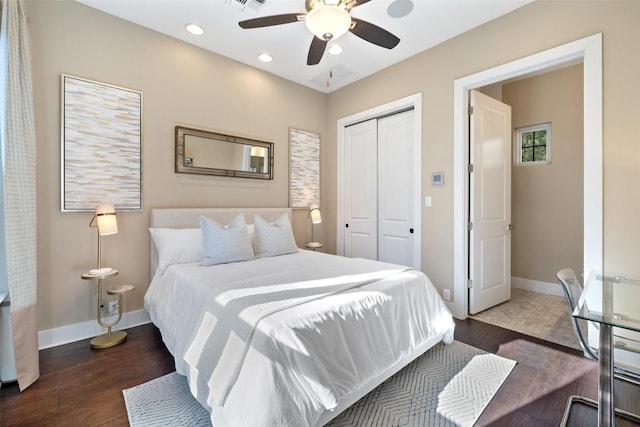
(533, 144)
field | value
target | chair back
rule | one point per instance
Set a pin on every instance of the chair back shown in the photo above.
(572, 288)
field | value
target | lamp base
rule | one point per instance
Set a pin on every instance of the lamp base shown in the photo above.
(313, 245)
(109, 339)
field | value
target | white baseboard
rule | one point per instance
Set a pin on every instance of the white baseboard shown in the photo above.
(536, 286)
(88, 329)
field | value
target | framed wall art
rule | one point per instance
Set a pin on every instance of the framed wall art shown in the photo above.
(101, 136)
(304, 169)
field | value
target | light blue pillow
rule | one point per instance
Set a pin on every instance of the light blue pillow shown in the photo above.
(273, 239)
(224, 244)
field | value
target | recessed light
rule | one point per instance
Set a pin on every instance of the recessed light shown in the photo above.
(194, 29)
(265, 57)
(335, 49)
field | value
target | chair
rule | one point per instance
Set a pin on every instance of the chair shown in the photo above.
(572, 289)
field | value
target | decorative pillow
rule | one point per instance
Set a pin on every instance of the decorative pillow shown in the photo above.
(252, 236)
(224, 244)
(177, 245)
(273, 239)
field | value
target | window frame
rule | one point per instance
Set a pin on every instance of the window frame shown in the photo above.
(518, 144)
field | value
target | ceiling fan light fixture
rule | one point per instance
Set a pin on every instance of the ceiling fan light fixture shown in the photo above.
(328, 22)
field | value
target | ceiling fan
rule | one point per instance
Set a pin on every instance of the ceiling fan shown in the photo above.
(328, 20)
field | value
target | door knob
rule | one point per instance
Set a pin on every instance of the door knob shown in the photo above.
(510, 227)
(411, 230)
(346, 225)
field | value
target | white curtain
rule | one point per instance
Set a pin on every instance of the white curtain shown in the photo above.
(18, 187)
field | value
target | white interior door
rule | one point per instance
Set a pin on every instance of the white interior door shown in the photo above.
(361, 186)
(396, 228)
(490, 203)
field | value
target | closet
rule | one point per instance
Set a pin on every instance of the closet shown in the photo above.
(378, 190)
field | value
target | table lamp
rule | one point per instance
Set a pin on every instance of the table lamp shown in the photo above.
(316, 218)
(105, 220)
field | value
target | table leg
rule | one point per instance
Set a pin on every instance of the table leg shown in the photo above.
(606, 406)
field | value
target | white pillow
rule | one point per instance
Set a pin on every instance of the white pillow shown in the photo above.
(273, 239)
(177, 245)
(224, 244)
(252, 236)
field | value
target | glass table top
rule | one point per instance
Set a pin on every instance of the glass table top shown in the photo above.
(612, 299)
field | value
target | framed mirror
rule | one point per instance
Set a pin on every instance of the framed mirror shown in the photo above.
(210, 153)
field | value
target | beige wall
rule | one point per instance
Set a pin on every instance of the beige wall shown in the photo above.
(186, 85)
(181, 84)
(534, 28)
(547, 211)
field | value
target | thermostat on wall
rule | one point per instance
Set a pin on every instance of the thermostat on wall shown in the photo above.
(437, 178)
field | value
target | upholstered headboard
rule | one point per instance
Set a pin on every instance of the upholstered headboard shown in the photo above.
(190, 218)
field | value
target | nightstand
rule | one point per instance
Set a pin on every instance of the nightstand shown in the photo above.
(110, 338)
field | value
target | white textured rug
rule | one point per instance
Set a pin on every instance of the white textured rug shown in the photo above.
(164, 402)
(447, 386)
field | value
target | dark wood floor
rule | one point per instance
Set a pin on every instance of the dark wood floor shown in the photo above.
(546, 375)
(83, 387)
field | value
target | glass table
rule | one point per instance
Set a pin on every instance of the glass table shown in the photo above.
(612, 300)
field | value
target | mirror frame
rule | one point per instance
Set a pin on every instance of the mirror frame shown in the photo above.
(180, 167)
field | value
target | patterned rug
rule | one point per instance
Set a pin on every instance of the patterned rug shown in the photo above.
(447, 386)
(536, 314)
(164, 401)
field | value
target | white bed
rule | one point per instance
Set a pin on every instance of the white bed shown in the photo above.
(292, 339)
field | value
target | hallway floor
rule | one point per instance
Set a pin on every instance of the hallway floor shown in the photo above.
(536, 314)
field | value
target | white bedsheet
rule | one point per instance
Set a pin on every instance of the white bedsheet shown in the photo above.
(277, 341)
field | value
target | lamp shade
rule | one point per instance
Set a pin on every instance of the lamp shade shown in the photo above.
(106, 218)
(328, 22)
(315, 215)
(258, 152)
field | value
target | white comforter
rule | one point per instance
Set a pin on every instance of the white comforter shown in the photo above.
(278, 341)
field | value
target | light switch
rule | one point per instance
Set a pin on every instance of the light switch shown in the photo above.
(427, 201)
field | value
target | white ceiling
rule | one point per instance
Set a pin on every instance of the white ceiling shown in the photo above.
(429, 23)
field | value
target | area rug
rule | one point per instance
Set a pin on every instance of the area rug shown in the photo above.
(450, 385)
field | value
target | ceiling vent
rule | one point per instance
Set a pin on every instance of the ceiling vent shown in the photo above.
(247, 5)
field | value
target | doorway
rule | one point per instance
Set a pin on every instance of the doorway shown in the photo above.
(538, 224)
(589, 52)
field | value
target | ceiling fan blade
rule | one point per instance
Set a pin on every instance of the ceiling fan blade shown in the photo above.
(359, 2)
(374, 34)
(316, 50)
(268, 21)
